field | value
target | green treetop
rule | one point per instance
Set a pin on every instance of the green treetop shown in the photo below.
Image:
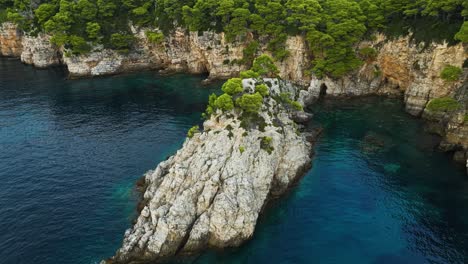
(233, 86)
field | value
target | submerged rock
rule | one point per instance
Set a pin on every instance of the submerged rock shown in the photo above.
(372, 142)
(212, 191)
(301, 117)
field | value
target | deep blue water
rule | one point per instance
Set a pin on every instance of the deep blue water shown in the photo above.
(71, 151)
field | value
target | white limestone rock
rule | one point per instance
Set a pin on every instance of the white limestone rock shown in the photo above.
(212, 191)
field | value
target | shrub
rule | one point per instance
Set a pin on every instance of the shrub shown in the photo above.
(224, 102)
(241, 149)
(59, 39)
(249, 74)
(44, 12)
(155, 37)
(192, 131)
(444, 104)
(297, 106)
(285, 99)
(233, 86)
(249, 53)
(368, 53)
(462, 35)
(121, 42)
(250, 103)
(262, 89)
(3, 15)
(265, 144)
(451, 73)
(93, 29)
(140, 11)
(79, 45)
(281, 54)
(466, 118)
(265, 66)
(211, 108)
(16, 18)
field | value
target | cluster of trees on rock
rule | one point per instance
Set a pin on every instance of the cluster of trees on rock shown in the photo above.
(234, 94)
(331, 27)
(249, 103)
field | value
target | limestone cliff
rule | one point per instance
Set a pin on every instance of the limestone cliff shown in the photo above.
(182, 51)
(402, 67)
(10, 40)
(212, 191)
(39, 52)
(34, 50)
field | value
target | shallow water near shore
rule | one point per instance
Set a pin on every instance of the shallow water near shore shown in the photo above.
(72, 150)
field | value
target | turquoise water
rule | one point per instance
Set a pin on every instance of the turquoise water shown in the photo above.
(377, 193)
(72, 150)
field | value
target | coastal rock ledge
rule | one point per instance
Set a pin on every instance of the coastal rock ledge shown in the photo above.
(211, 192)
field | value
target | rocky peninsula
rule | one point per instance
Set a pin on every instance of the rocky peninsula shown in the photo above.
(212, 191)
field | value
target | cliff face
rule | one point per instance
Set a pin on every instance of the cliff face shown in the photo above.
(39, 52)
(10, 40)
(34, 50)
(211, 192)
(207, 52)
(401, 67)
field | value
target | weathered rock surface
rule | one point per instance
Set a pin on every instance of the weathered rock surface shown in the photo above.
(211, 192)
(39, 52)
(34, 50)
(402, 67)
(10, 40)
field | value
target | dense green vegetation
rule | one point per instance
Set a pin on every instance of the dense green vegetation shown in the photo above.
(235, 95)
(451, 73)
(192, 131)
(444, 104)
(332, 28)
(247, 103)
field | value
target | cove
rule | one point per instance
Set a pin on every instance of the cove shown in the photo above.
(72, 151)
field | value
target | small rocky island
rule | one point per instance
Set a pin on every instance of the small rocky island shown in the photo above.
(211, 192)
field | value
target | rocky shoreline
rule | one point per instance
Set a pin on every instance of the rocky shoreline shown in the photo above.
(400, 68)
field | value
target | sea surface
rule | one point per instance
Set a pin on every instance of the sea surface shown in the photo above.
(72, 150)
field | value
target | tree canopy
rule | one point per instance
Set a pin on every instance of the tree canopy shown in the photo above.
(332, 28)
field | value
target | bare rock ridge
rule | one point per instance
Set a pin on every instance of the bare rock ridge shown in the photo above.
(212, 191)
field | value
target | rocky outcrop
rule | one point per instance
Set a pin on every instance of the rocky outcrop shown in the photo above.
(411, 70)
(182, 51)
(212, 191)
(452, 125)
(39, 52)
(10, 40)
(106, 62)
(34, 50)
(402, 67)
